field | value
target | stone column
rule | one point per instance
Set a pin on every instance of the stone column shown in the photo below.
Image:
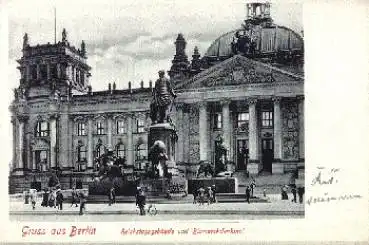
(130, 146)
(203, 131)
(253, 166)
(48, 71)
(90, 150)
(64, 134)
(277, 166)
(33, 160)
(28, 73)
(21, 136)
(14, 135)
(301, 128)
(38, 71)
(226, 123)
(109, 131)
(53, 135)
(179, 127)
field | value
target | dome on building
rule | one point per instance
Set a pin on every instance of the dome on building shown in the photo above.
(268, 39)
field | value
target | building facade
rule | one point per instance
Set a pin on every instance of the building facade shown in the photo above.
(247, 91)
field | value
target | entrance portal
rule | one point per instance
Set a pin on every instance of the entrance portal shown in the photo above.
(242, 154)
(267, 154)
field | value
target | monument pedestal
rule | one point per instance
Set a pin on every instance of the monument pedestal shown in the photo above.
(166, 133)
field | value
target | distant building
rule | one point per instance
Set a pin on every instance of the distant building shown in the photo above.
(247, 89)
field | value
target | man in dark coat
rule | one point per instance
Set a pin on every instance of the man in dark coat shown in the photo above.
(141, 201)
(301, 192)
(45, 198)
(248, 190)
(213, 188)
(59, 199)
(293, 190)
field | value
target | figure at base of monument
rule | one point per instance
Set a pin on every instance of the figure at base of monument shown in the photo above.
(158, 157)
(163, 96)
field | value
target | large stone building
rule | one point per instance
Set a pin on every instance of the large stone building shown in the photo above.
(247, 89)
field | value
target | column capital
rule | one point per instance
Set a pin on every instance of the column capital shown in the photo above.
(300, 97)
(277, 99)
(202, 103)
(252, 101)
(180, 106)
(22, 118)
(225, 102)
(53, 116)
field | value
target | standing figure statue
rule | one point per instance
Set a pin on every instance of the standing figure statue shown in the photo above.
(220, 156)
(163, 98)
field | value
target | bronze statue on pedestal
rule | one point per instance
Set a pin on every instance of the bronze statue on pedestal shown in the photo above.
(163, 98)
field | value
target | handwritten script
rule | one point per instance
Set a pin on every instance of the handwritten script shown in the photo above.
(326, 180)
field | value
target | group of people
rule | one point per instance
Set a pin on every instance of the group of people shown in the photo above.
(300, 191)
(53, 197)
(203, 195)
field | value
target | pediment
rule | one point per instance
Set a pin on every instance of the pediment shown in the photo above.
(239, 70)
(40, 144)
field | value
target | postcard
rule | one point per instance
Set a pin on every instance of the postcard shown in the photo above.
(184, 121)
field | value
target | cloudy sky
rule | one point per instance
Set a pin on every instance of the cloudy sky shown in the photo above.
(131, 40)
(126, 40)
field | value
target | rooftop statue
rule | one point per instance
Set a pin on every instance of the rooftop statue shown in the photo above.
(25, 41)
(163, 96)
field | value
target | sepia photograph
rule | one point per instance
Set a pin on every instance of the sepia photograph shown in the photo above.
(156, 111)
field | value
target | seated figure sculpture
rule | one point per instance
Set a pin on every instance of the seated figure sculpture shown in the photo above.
(158, 156)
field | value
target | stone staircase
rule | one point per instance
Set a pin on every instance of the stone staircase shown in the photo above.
(271, 183)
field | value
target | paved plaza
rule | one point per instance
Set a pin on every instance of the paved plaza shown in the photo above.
(276, 208)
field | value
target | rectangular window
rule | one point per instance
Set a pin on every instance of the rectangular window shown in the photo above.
(99, 128)
(77, 76)
(81, 129)
(267, 119)
(42, 129)
(120, 127)
(242, 120)
(81, 154)
(43, 71)
(34, 71)
(82, 78)
(53, 71)
(217, 121)
(140, 126)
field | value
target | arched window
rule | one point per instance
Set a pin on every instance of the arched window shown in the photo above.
(120, 150)
(42, 129)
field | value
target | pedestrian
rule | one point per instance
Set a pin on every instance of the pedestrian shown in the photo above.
(209, 195)
(248, 190)
(301, 192)
(252, 186)
(59, 199)
(113, 194)
(167, 195)
(74, 197)
(284, 193)
(293, 190)
(33, 194)
(214, 193)
(201, 196)
(141, 201)
(45, 198)
(82, 202)
(195, 194)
